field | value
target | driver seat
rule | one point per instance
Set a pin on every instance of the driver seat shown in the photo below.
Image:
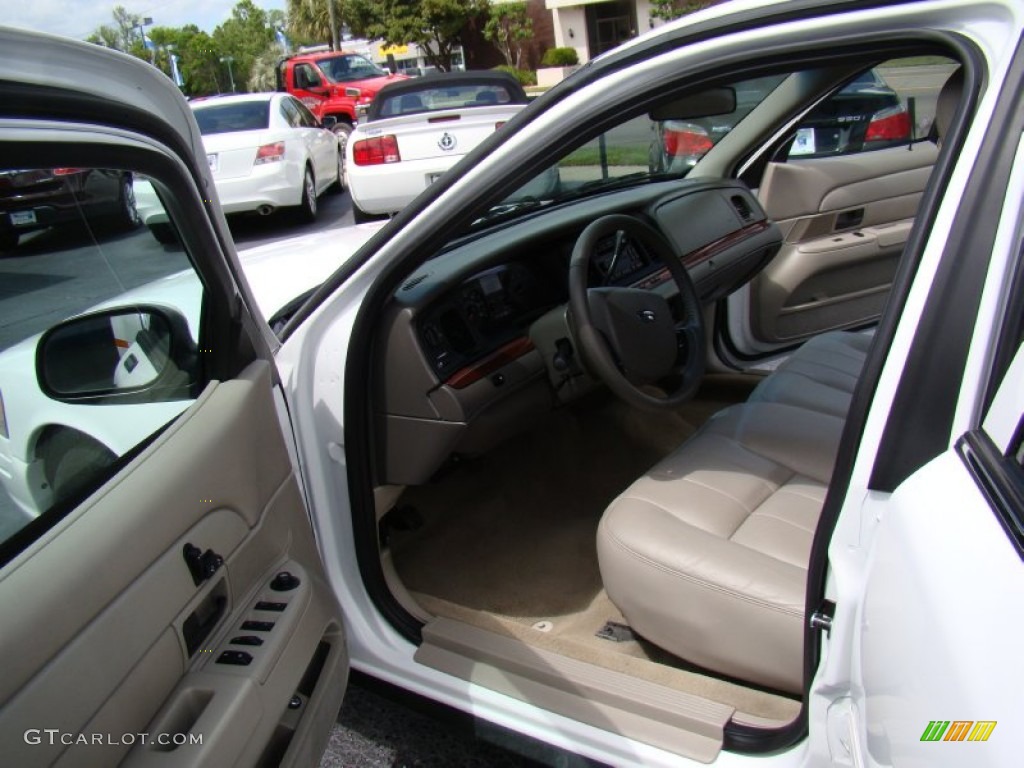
(706, 555)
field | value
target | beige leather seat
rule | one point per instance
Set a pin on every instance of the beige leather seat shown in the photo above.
(706, 555)
(820, 376)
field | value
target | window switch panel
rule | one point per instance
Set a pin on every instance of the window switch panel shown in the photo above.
(257, 626)
(236, 658)
(268, 605)
(246, 640)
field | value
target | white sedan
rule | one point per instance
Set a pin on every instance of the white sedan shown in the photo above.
(417, 129)
(491, 460)
(267, 151)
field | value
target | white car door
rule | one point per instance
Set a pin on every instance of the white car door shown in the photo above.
(163, 597)
(321, 145)
(921, 660)
(940, 608)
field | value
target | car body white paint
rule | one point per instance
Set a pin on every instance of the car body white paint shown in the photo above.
(244, 186)
(423, 144)
(895, 655)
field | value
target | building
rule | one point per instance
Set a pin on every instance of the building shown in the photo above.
(595, 26)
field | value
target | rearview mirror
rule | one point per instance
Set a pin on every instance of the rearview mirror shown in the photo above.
(713, 101)
(139, 354)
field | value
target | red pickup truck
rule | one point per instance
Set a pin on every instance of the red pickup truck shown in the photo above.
(333, 84)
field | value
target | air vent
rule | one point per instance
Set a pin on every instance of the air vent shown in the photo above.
(742, 208)
(415, 281)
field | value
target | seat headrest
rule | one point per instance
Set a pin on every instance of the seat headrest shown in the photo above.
(949, 100)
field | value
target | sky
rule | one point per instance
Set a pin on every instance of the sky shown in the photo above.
(78, 18)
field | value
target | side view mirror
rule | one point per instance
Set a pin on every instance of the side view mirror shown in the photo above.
(329, 121)
(134, 354)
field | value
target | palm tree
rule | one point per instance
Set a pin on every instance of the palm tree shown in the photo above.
(316, 20)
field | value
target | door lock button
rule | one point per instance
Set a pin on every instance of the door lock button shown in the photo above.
(284, 582)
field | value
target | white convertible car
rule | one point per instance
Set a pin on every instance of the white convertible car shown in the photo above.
(521, 454)
(417, 129)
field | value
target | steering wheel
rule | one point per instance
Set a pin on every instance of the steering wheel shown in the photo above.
(628, 337)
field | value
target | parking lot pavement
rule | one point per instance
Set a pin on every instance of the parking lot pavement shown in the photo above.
(376, 732)
(382, 727)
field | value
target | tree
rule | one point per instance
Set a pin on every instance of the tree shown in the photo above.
(246, 36)
(107, 36)
(199, 61)
(666, 10)
(128, 24)
(122, 34)
(243, 37)
(310, 21)
(263, 76)
(508, 26)
(435, 26)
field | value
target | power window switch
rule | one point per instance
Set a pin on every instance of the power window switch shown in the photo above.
(235, 658)
(257, 626)
(269, 605)
(246, 640)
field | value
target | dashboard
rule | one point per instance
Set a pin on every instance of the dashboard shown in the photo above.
(487, 310)
(478, 341)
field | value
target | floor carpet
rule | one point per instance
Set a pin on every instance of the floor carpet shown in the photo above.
(508, 540)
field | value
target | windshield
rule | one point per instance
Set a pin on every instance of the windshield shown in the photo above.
(349, 67)
(636, 151)
(236, 116)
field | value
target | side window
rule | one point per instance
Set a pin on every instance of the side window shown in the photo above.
(306, 77)
(99, 330)
(889, 105)
(290, 113)
(665, 140)
(306, 118)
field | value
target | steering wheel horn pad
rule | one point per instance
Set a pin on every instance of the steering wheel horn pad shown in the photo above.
(639, 328)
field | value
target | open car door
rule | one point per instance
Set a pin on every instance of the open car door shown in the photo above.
(845, 192)
(163, 597)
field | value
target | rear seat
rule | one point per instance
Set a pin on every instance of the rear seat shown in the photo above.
(820, 376)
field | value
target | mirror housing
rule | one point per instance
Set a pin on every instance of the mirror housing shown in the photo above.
(140, 354)
(329, 121)
(708, 103)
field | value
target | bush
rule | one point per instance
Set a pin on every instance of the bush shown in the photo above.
(560, 57)
(524, 76)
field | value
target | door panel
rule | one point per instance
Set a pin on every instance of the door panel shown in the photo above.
(108, 644)
(845, 221)
(934, 617)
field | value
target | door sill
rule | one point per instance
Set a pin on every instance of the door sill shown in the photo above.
(675, 721)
